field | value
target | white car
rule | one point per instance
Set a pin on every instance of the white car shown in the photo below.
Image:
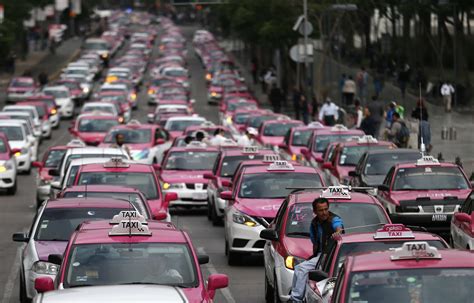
(63, 99)
(8, 171)
(79, 70)
(31, 110)
(98, 46)
(179, 124)
(30, 137)
(102, 107)
(85, 85)
(18, 139)
(23, 116)
(168, 108)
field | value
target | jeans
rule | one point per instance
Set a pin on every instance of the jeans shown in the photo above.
(300, 279)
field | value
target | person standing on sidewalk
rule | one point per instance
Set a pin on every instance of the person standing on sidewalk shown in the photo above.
(403, 79)
(369, 125)
(359, 114)
(329, 113)
(275, 98)
(447, 90)
(349, 90)
(420, 113)
(398, 133)
(11, 63)
(376, 110)
(362, 80)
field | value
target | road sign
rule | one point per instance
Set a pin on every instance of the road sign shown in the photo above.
(297, 52)
(309, 28)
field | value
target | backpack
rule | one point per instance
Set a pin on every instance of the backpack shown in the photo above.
(403, 135)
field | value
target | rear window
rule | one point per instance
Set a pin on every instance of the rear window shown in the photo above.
(230, 163)
(54, 157)
(277, 129)
(380, 164)
(350, 155)
(13, 133)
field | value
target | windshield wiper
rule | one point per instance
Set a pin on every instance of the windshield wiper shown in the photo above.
(299, 233)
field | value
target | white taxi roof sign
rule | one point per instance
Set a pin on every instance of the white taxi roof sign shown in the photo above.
(280, 165)
(316, 125)
(76, 143)
(116, 163)
(338, 127)
(336, 192)
(207, 123)
(128, 215)
(130, 228)
(415, 251)
(394, 231)
(270, 158)
(228, 142)
(427, 160)
(134, 122)
(250, 149)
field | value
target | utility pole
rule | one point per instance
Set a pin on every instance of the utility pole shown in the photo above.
(306, 68)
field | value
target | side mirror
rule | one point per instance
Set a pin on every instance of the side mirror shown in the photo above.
(20, 237)
(226, 195)
(54, 172)
(160, 215)
(171, 197)
(203, 259)
(216, 281)
(156, 166)
(317, 275)
(304, 151)
(209, 176)
(383, 187)
(353, 173)
(269, 234)
(226, 183)
(462, 217)
(319, 159)
(44, 284)
(56, 185)
(55, 259)
(37, 164)
(327, 165)
(160, 141)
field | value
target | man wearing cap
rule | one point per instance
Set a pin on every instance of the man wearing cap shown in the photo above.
(325, 227)
(247, 138)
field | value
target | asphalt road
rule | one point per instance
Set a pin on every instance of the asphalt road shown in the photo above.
(17, 212)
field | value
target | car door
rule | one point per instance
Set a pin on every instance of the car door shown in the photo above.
(462, 230)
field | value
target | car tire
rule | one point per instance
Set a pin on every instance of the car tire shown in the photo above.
(209, 209)
(216, 221)
(12, 190)
(269, 293)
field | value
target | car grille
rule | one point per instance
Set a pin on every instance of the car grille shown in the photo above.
(193, 186)
(428, 206)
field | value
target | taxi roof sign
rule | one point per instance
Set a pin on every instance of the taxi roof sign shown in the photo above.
(250, 149)
(394, 231)
(130, 228)
(316, 125)
(427, 160)
(415, 251)
(125, 215)
(270, 158)
(338, 127)
(228, 142)
(134, 122)
(76, 143)
(280, 165)
(207, 123)
(111, 78)
(116, 162)
(336, 192)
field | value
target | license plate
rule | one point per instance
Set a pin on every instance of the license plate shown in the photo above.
(439, 218)
(200, 196)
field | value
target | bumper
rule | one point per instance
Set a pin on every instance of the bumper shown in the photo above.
(432, 222)
(190, 197)
(23, 162)
(7, 178)
(220, 206)
(242, 238)
(214, 99)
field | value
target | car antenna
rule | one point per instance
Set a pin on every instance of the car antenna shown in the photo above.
(422, 143)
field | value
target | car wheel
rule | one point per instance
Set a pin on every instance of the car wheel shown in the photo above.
(216, 221)
(268, 291)
(209, 209)
(12, 190)
(276, 296)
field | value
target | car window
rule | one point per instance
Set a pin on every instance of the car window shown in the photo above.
(13, 133)
(280, 215)
(429, 178)
(191, 160)
(54, 157)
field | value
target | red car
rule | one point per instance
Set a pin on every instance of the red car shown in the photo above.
(92, 128)
(297, 138)
(20, 88)
(272, 132)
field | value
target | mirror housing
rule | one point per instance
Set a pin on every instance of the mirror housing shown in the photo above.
(150, 118)
(319, 159)
(160, 215)
(282, 145)
(317, 275)
(353, 173)
(56, 185)
(160, 141)
(304, 151)
(226, 195)
(37, 164)
(462, 217)
(203, 259)
(209, 176)
(44, 284)
(216, 281)
(269, 234)
(20, 237)
(171, 197)
(55, 259)
(383, 187)
(327, 165)
(226, 183)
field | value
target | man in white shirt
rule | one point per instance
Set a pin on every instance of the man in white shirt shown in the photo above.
(446, 91)
(248, 138)
(329, 113)
(218, 138)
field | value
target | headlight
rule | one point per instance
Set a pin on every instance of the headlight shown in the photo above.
(151, 91)
(140, 154)
(53, 111)
(45, 268)
(208, 77)
(291, 262)
(85, 90)
(3, 168)
(242, 218)
(23, 151)
(8, 165)
(133, 97)
(229, 120)
(174, 186)
(104, 55)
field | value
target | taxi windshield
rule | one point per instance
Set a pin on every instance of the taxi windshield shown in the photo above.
(131, 136)
(181, 125)
(241, 118)
(322, 141)
(301, 137)
(133, 198)
(106, 109)
(430, 178)
(96, 46)
(40, 109)
(54, 158)
(13, 133)
(96, 125)
(277, 129)
(381, 164)
(230, 163)
(136, 263)
(357, 217)
(3, 146)
(85, 156)
(144, 182)
(255, 122)
(274, 185)
(412, 285)
(191, 160)
(22, 83)
(57, 224)
(350, 155)
(233, 106)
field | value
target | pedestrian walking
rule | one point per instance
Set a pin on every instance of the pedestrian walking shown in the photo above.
(389, 114)
(369, 125)
(403, 79)
(270, 78)
(362, 80)
(420, 113)
(341, 87)
(447, 90)
(329, 113)
(379, 83)
(254, 70)
(325, 228)
(349, 90)
(376, 109)
(275, 98)
(304, 106)
(297, 101)
(398, 133)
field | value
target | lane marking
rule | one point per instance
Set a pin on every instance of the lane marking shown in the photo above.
(10, 285)
(212, 270)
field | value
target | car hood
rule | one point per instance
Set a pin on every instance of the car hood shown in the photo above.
(259, 207)
(298, 247)
(461, 194)
(184, 176)
(117, 294)
(271, 140)
(46, 248)
(92, 137)
(17, 144)
(20, 89)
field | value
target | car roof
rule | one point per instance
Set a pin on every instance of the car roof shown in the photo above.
(240, 152)
(393, 151)
(309, 196)
(101, 188)
(98, 232)
(193, 149)
(135, 126)
(132, 167)
(96, 116)
(263, 169)
(369, 237)
(413, 165)
(356, 143)
(199, 118)
(284, 121)
(87, 203)
(94, 150)
(12, 122)
(380, 260)
(56, 87)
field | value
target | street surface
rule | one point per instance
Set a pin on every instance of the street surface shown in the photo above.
(246, 281)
